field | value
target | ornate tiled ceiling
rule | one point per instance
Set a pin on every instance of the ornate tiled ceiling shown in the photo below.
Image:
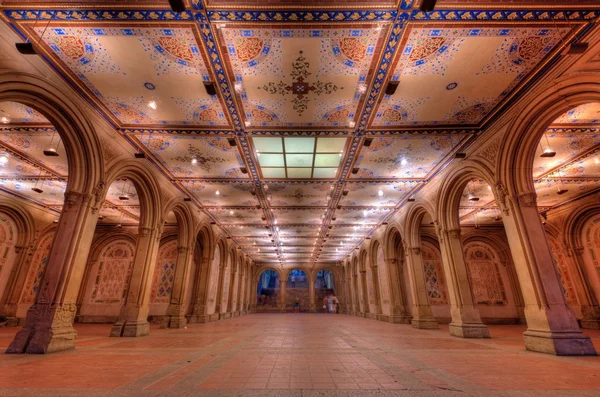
(291, 77)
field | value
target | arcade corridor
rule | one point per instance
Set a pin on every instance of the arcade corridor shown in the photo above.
(297, 355)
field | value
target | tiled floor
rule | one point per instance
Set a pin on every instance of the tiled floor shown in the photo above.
(297, 355)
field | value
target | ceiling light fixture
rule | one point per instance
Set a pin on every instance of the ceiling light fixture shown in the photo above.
(195, 161)
(210, 87)
(391, 87)
(4, 120)
(403, 162)
(177, 5)
(237, 86)
(152, 105)
(247, 123)
(355, 170)
(427, 5)
(218, 193)
(460, 155)
(351, 124)
(577, 48)
(368, 142)
(25, 48)
(380, 193)
(3, 160)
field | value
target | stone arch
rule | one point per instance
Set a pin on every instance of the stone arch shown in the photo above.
(204, 247)
(517, 150)
(84, 152)
(147, 189)
(414, 218)
(269, 303)
(452, 188)
(185, 221)
(24, 222)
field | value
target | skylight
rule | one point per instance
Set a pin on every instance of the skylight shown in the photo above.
(299, 157)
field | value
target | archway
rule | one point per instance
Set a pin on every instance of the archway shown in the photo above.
(268, 291)
(297, 290)
(324, 286)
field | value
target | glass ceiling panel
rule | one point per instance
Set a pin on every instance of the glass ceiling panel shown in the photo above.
(299, 157)
(327, 160)
(299, 160)
(270, 145)
(273, 172)
(331, 145)
(299, 145)
(271, 160)
(305, 173)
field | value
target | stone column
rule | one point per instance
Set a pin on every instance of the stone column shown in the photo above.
(240, 300)
(175, 317)
(590, 311)
(16, 283)
(49, 323)
(200, 309)
(133, 318)
(312, 298)
(422, 313)
(282, 297)
(365, 293)
(551, 325)
(377, 314)
(466, 322)
(217, 315)
(356, 297)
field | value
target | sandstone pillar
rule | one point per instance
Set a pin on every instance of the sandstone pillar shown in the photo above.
(49, 323)
(551, 325)
(376, 313)
(466, 322)
(218, 305)
(175, 317)
(133, 318)
(422, 313)
(200, 309)
(365, 293)
(590, 311)
(282, 297)
(312, 296)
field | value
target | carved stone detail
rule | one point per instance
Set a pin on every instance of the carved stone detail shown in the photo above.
(490, 153)
(528, 199)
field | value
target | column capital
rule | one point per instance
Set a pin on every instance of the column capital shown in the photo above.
(453, 233)
(527, 199)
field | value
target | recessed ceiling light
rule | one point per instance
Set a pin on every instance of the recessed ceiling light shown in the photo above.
(231, 212)
(4, 120)
(194, 161)
(217, 192)
(380, 193)
(152, 105)
(403, 162)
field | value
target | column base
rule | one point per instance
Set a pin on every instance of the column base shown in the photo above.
(173, 322)
(199, 318)
(559, 344)
(214, 317)
(425, 323)
(590, 323)
(469, 330)
(48, 329)
(223, 316)
(12, 322)
(127, 329)
(372, 316)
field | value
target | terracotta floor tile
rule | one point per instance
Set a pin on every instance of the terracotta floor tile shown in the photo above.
(298, 352)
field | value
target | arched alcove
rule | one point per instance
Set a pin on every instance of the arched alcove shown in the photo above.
(297, 290)
(268, 291)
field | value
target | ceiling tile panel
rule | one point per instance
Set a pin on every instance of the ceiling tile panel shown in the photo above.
(293, 77)
(195, 156)
(143, 76)
(457, 75)
(407, 156)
